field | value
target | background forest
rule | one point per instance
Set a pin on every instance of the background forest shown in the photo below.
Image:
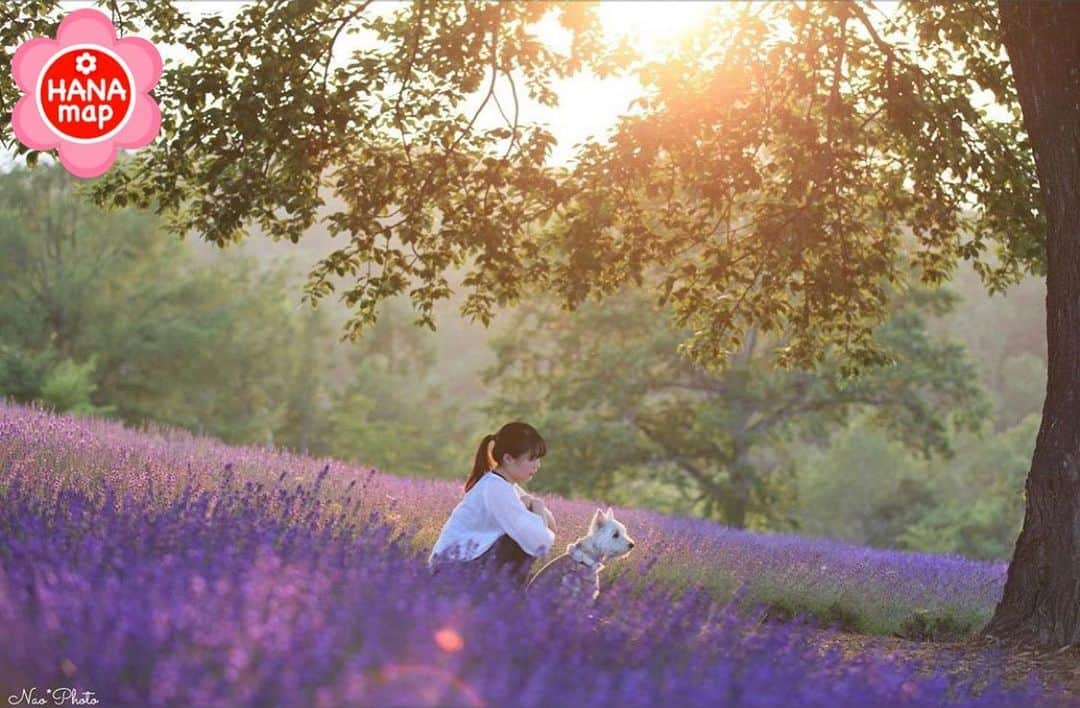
(103, 314)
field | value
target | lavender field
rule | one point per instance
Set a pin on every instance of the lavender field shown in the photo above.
(157, 568)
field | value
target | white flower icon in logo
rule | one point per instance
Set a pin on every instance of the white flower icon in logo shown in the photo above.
(85, 63)
(86, 93)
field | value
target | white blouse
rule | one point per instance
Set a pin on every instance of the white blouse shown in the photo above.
(492, 507)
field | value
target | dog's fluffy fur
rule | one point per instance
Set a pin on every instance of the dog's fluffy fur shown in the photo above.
(576, 573)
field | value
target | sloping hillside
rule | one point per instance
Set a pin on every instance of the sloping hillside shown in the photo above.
(154, 567)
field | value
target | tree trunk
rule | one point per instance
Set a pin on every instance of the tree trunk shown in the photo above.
(737, 501)
(1041, 603)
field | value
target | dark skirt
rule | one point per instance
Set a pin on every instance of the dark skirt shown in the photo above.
(504, 556)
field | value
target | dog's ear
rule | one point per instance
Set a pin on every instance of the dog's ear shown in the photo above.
(609, 514)
(597, 519)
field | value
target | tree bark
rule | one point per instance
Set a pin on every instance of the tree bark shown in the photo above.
(737, 501)
(1041, 602)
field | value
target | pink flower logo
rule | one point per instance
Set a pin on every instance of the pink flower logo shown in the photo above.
(87, 93)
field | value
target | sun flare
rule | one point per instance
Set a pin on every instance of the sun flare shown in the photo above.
(652, 26)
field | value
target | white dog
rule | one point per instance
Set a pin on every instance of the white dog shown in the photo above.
(576, 573)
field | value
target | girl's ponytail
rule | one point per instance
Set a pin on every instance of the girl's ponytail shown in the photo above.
(482, 463)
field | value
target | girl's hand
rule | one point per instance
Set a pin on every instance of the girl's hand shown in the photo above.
(550, 521)
(537, 506)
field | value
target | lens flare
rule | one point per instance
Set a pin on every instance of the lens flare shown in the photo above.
(417, 684)
(449, 640)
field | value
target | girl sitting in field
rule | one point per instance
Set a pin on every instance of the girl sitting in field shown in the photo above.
(497, 525)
